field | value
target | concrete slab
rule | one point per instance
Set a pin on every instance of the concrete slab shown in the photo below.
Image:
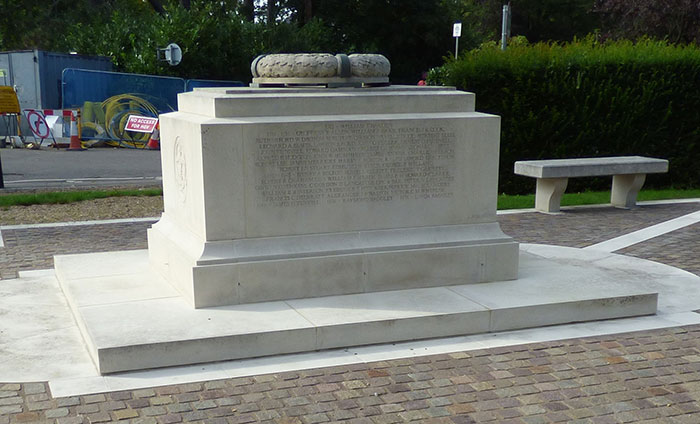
(550, 291)
(391, 316)
(164, 332)
(103, 264)
(35, 315)
(138, 329)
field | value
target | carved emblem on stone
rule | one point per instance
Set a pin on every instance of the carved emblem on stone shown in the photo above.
(322, 69)
(180, 170)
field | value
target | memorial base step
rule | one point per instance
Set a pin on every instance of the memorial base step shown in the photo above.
(132, 319)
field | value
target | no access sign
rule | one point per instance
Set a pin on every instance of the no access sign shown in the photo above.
(142, 124)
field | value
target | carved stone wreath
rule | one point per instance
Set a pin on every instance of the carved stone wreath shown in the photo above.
(320, 69)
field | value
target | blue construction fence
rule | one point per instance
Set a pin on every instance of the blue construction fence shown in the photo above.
(107, 99)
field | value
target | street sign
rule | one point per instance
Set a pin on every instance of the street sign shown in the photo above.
(457, 30)
(38, 124)
(456, 33)
(171, 54)
(144, 124)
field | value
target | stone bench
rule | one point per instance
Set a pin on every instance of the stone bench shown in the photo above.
(629, 173)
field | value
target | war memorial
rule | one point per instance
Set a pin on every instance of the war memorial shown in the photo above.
(321, 208)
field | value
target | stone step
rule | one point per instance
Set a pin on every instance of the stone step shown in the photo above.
(131, 319)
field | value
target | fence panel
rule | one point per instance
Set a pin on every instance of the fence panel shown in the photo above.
(191, 84)
(106, 100)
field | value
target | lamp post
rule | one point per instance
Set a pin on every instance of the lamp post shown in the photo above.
(505, 26)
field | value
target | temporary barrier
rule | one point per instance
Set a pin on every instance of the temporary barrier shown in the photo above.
(37, 74)
(55, 124)
(154, 142)
(107, 99)
(9, 113)
(191, 84)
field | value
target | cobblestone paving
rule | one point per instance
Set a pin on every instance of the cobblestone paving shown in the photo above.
(34, 248)
(679, 248)
(639, 377)
(583, 227)
(651, 376)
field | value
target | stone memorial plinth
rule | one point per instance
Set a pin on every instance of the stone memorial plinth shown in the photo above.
(308, 218)
(274, 194)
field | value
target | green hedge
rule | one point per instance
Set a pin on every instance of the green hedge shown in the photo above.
(584, 99)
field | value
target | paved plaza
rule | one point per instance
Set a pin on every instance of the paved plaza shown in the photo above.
(635, 376)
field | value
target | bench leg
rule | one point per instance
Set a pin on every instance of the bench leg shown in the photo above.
(625, 189)
(548, 194)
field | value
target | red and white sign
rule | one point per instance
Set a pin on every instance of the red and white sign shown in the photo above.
(142, 124)
(38, 124)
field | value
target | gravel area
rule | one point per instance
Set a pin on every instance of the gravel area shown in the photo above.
(108, 208)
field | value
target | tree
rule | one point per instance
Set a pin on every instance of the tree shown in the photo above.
(29, 24)
(413, 34)
(157, 5)
(673, 20)
(218, 37)
(558, 20)
(247, 9)
(217, 41)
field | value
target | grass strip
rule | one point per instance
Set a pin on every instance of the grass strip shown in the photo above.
(527, 201)
(505, 201)
(27, 199)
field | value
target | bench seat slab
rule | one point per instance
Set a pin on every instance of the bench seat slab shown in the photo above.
(590, 167)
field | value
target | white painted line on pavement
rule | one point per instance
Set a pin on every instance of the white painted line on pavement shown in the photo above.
(669, 201)
(78, 180)
(77, 223)
(647, 233)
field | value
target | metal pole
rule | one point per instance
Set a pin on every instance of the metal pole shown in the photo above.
(504, 26)
(2, 177)
(456, 46)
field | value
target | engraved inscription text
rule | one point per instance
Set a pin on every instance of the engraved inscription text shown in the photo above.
(350, 162)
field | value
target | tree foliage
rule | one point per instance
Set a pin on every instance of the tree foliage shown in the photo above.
(412, 34)
(674, 20)
(562, 20)
(220, 37)
(30, 24)
(217, 41)
(537, 20)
